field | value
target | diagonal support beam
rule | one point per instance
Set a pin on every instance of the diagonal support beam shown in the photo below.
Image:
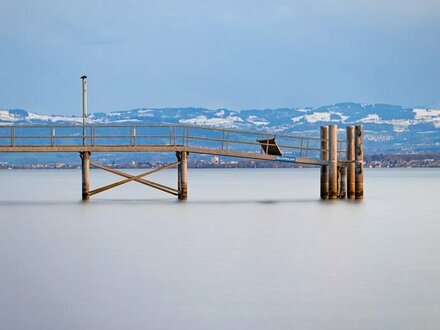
(137, 178)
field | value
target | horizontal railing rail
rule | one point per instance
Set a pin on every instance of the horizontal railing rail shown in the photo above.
(191, 136)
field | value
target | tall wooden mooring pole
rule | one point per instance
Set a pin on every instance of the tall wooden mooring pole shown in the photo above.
(85, 171)
(359, 158)
(333, 161)
(324, 157)
(351, 166)
(182, 175)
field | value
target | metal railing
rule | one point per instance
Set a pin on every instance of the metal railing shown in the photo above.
(157, 135)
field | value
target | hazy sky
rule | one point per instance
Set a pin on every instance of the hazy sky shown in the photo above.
(235, 54)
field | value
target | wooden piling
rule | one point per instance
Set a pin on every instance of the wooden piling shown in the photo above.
(324, 168)
(359, 157)
(85, 167)
(333, 161)
(342, 182)
(351, 166)
(182, 175)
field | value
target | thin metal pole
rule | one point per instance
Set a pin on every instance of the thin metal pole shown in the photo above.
(359, 156)
(84, 106)
(333, 161)
(324, 157)
(351, 166)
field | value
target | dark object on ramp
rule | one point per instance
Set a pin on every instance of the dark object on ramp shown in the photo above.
(270, 147)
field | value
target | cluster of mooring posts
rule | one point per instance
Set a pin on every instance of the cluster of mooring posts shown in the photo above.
(342, 178)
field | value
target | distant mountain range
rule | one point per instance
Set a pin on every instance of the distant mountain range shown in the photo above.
(388, 128)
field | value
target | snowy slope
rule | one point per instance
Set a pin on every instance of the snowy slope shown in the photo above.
(387, 127)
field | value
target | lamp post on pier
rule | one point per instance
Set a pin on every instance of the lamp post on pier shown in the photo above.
(84, 106)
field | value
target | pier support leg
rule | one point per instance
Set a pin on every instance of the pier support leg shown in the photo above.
(85, 167)
(324, 168)
(351, 166)
(333, 162)
(182, 175)
(342, 182)
(359, 157)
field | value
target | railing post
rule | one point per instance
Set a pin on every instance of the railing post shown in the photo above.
(333, 162)
(324, 157)
(85, 169)
(134, 136)
(93, 135)
(182, 175)
(12, 136)
(351, 166)
(52, 136)
(359, 157)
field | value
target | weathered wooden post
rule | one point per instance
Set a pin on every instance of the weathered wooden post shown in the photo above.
(324, 157)
(342, 181)
(351, 166)
(85, 167)
(182, 175)
(333, 161)
(359, 157)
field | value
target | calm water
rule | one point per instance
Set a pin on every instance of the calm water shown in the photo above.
(250, 249)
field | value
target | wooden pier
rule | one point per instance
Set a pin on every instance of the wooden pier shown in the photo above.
(341, 161)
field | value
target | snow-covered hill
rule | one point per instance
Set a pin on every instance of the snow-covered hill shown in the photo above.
(388, 128)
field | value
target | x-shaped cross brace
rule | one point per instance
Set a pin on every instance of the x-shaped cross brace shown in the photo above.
(137, 178)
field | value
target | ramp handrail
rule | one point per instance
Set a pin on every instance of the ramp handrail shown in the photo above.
(171, 135)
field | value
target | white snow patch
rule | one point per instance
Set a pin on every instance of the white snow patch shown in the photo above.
(114, 114)
(257, 121)
(6, 116)
(400, 125)
(203, 120)
(126, 121)
(371, 118)
(235, 118)
(318, 116)
(145, 113)
(428, 116)
(341, 115)
(424, 114)
(297, 119)
(53, 119)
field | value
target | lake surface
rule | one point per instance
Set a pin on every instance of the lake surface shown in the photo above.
(250, 249)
